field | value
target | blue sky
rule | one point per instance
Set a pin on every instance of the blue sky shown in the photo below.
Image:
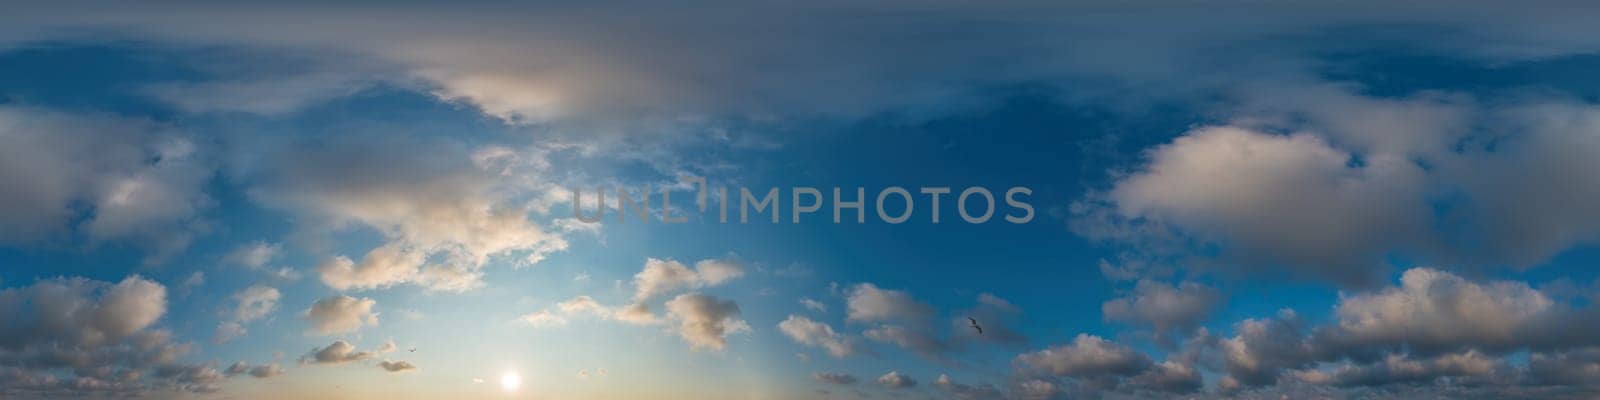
(1241, 201)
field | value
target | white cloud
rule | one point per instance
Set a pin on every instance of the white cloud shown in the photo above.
(341, 314)
(1433, 310)
(661, 277)
(1259, 195)
(382, 267)
(1086, 356)
(896, 380)
(812, 333)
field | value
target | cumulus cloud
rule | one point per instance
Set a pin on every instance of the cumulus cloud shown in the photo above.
(834, 378)
(1402, 369)
(340, 314)
(1275, 187)
(79, 312)
(637, 313)
(396, 366)
(1432, 326)
(967, 392)
(1169, 377)
(1086, 356)
(340, 352)
(1433, 310)
(266, 371)
(704, 321)
(1162, 307)
(817, 334)
(1368, 174)
(1578, 367)
(661, 277)
(73, 337)
(259, 371)
(896, 380)
(1262, 348)
(116, 178)
(382, 267)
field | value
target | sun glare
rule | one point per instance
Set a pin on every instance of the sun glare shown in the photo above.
(510, 381)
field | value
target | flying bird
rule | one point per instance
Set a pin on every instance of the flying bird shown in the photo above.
(975, 325)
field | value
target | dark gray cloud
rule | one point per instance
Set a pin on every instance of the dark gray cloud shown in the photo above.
(965, 391)
(498, 57)
(834, 378)
(396, 366)
(75, 337)
(128, 179)
(259, 371)
(340, 352)
(705, 321)
(1432, 334)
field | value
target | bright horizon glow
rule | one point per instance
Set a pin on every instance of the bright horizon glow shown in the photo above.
(510, 381)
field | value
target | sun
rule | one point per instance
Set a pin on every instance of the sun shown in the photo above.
(510, 381)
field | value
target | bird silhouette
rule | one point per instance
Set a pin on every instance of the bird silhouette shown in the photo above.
(975, 325)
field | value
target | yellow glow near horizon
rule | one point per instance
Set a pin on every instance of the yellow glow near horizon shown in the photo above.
(510, 381)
